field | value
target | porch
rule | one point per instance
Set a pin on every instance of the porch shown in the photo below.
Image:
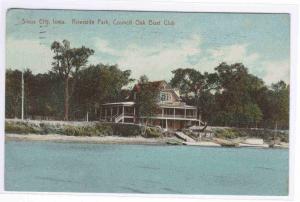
(118, 112)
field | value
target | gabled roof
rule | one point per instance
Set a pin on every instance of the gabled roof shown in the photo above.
(159, 85)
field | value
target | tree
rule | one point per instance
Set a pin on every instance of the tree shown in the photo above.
(239, 95)
(279, 100)
(44, 95)
(67, 62)
(13, 93)
(96, 85)
(196, 88)
(146, 98)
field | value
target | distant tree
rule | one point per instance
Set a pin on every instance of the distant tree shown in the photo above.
(146, 99)
(279, 101)
(143, 79)
(67, 62)
(13, 93)
(239, 95)
(99, 84)
(44, 95)
(196, 88)
(250, 115)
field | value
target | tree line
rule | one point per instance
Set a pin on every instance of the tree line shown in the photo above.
(230, 96)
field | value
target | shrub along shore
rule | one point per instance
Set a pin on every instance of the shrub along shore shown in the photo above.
(99, 132)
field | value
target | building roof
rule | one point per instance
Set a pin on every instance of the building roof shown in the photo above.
(155, 84)
(165, 105)
(120, 103)
(181, 106)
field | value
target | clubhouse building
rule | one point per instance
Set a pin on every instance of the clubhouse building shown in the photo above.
(172, 113)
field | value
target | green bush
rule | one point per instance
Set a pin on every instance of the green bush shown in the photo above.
(91, 130)
(267, 135)
(21, 128)
(126, 130)
(47, 128)
(153, 132)
(228, 133)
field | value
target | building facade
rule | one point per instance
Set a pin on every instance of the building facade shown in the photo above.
(172, 113)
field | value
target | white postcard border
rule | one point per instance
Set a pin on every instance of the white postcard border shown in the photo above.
(184, 6)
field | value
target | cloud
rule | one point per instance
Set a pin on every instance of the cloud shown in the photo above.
(28, 54)
(276, 70)
(156, 60)
(104, 47)
(271, 71)
(233, 53)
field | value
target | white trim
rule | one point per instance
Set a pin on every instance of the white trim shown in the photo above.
(171, 118)
(119, 103)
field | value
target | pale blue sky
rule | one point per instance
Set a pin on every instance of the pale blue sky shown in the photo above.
(197, 40)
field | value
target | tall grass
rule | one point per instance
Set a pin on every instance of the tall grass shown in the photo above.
(82, 129)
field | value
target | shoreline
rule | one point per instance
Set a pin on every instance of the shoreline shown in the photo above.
(86, 139)
(137, 140)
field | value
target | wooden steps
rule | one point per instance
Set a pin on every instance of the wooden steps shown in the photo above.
(184, 137)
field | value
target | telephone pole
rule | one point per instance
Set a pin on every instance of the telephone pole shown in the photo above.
(22, 116)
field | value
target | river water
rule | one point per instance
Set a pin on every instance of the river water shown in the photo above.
(109, 168)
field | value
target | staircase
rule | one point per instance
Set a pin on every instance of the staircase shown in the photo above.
(184, 137)
(118, 118)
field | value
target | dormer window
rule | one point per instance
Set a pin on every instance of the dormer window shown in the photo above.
(165, 96)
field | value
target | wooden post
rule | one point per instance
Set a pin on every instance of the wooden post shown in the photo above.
(174, 113)
(123, 114)
(166, 124)
(133, 114)
(184, 112)
(100, 113)
(22, 115)
(162, 112)
(105, 113)
(111, 109)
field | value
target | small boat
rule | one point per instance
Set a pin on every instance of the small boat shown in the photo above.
(174, 142)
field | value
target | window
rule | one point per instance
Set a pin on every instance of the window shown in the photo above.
(165, 96)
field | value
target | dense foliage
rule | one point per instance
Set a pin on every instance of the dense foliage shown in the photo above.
(44, 93)
(67, 63)
(230, 96)
(146, 96)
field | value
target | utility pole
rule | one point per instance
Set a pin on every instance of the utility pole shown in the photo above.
(22, 116)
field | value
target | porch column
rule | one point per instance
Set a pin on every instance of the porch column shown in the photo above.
(134, 114)
(111, 109)
(162, 112)
(174, 113)
(117, 110)
(123, 114)
(184, 112)
(166, 124)
(105, 114)
(100, 113)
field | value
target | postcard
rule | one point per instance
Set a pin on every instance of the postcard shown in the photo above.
(147, 102)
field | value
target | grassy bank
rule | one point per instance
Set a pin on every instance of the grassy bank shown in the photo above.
(79, 128)
(225, 136)
(266, 134)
